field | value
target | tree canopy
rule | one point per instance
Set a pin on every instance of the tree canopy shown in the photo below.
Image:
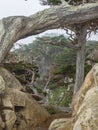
(57, 2)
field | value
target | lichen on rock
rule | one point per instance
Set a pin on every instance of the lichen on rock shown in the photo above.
(2, 85)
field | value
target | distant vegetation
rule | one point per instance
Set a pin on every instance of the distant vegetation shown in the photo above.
(62, 61)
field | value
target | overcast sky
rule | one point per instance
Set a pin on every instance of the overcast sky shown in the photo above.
(19, 7)
(22, 7)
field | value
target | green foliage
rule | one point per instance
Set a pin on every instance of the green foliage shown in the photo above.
(90, 46)
(39, 48)
(23, 71)
(61, 96)
(66, 70)
(67, 56)
(50, 2)
(51, 111)
(87, 69)
(56, 2)
(41, 52)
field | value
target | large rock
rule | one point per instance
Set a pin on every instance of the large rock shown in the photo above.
(22, 111)
(2, 85)
(87, 115)
(86, 103)
(10, 80)
(18, 110)
(61, 124)
(80, 95)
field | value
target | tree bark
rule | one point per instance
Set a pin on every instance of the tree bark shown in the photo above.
(15, 28)
(80, 60)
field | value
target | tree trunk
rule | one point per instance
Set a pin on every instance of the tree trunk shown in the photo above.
(80, 60)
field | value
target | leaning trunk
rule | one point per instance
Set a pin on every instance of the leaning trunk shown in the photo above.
(80, 60)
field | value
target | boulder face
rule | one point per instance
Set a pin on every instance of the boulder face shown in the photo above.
(86, 103)
(61, 124)
(18, 110)
(28, 111)
(87, 115)
(89, 82)
(2, 85)
(10, 80)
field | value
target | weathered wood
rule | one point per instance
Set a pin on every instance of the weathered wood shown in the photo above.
(80, 60)
(17, 27)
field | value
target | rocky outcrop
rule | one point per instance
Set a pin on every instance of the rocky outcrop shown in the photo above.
(18, 110)
(80, 95)
(90, 81)
(2, 85)
(10, 80)
(86, 103)
(27, 110)
(61, 124)
(87, 115)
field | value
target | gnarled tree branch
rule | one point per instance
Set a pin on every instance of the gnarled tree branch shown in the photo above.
(17, 27)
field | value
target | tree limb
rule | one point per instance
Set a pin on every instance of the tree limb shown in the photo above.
(17, 27)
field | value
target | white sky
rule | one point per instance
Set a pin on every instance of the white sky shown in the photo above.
(19, 7)
(22, 7)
